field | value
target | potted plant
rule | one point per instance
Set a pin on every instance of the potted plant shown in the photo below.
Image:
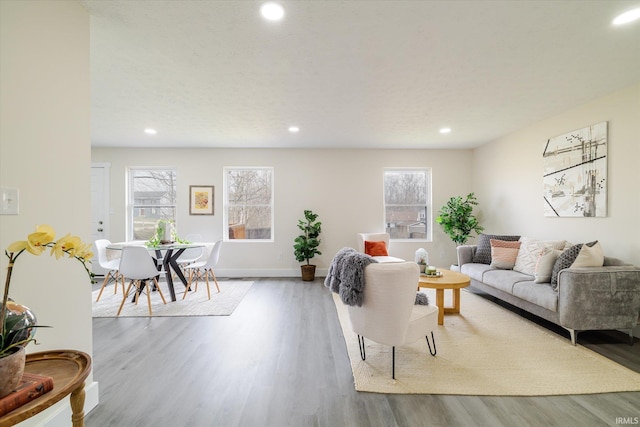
(17, 322)
(457, 218)
(306, 244)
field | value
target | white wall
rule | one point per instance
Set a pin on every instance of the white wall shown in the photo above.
(508, 178)
(45, 153)
(343, 186)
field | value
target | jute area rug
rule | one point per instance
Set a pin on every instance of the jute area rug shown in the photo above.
(485, 350)
(195, 304)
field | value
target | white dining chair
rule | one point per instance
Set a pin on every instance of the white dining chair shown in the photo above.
(190, 255)
(111, 266)
(137, 265)
(204, 270)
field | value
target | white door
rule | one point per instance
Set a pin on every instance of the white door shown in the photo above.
(99, 208)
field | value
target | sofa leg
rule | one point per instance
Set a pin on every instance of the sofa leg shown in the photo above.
(393, 362)
(630, 336)
(573, 334)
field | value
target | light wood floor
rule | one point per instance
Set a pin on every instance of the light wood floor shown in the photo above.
(280, 360)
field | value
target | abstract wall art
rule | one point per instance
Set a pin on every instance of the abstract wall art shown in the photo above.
(575, 173)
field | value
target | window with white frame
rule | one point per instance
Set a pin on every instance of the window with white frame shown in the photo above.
(407, 203)
(248, 203)
(151, 196)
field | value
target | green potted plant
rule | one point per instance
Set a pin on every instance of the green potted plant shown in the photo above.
(306, 244)
(457, 218)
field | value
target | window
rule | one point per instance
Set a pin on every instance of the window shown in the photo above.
(151, 196)
(248, 203)
(407, 203)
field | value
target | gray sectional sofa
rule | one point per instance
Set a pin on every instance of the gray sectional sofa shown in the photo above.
(586, 298)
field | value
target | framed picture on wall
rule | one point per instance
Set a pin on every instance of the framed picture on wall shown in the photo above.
(201, 200)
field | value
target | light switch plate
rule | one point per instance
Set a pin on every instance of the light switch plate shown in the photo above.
(9, 201)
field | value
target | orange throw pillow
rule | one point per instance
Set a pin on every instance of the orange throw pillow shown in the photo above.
(375, 248)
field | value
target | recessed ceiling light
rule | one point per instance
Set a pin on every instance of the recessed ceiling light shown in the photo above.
(628, 16)
(445, 130)
(150, 131)
(293, 129)
(272, 11)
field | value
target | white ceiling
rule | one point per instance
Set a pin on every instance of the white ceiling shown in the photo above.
(358, 74)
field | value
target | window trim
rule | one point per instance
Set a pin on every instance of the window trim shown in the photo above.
(429, 202)
(130, 206)
(226, 205)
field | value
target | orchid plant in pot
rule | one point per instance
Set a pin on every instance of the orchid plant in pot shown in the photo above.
(17, 322)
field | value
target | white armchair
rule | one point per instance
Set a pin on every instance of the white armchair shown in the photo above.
(376, 237)
(388, 314)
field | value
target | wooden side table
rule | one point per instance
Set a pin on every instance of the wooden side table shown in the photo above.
(69, 369)
(449, 280)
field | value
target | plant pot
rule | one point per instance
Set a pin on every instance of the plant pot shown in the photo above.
(11, 370)
(308, 272)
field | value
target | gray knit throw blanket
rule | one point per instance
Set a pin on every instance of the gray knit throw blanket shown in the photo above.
(346, 275)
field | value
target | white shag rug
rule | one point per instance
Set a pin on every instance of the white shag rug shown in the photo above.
(485, 350)
(195, 304)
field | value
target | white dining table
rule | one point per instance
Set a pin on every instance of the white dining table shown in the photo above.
(166, 256)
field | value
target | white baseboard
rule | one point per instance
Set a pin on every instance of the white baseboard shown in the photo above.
(266, 272)
(59, 415)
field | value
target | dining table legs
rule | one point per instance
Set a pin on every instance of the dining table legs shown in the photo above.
(170, 264)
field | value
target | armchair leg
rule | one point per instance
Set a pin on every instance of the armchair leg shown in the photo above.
(433, 353)
(393, 362)
(361, 346)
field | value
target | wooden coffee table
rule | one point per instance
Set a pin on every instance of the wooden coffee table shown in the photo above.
(449, 280)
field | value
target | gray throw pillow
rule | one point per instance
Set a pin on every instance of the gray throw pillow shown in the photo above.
(483, 251)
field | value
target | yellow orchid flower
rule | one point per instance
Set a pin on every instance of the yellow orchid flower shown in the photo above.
(36, 242)
(84, 251)
(63, 245)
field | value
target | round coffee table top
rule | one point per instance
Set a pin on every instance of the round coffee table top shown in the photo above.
(448, 280)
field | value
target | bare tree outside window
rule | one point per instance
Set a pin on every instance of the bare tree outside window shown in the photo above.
(407, 203)
(152, 196)
(249, 203)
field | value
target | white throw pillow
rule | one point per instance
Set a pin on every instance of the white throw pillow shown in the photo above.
(589, 256)
(529, 253)
(544, 267)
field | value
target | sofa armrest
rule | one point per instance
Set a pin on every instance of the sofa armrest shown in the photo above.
(465, 254)
(599, 297)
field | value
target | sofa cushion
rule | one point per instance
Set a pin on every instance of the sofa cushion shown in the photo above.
(483, 251)
(504, 279)
(375, 248)
(539, 294)
(474, 270)
(544, 266)
(566, 258)
(529, 253)
(503, 254)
